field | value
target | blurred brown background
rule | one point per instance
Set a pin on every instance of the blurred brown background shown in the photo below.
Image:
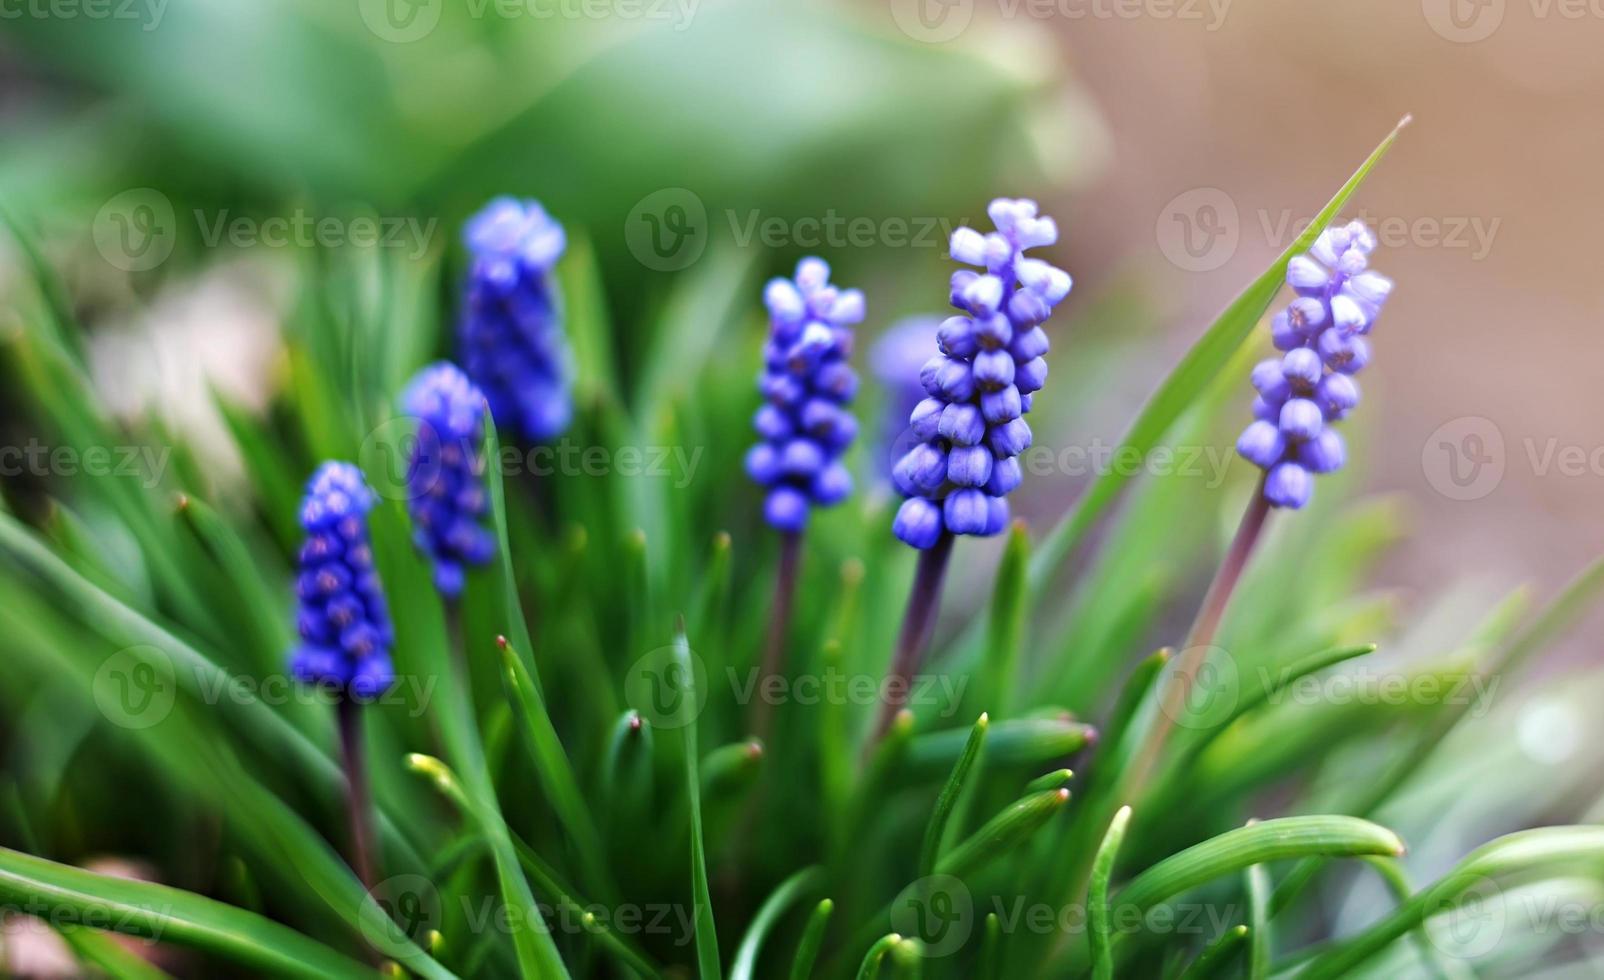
(1488, 209)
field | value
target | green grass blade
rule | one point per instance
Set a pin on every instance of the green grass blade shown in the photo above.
(140, 908)
(1005, 624)
(509, 610)
(1002, 833)
(1269, 840)
(787, 894)
(1190, 378)
(948, 798)
(869, 969)
(1258, 885)
(1021, 742)
(707, 962)
(99, 950)
(546, 879)
(1522, 856)
(1216, 954)
(991, 949)
(807, 950)
(553, 770)
(1097, 896)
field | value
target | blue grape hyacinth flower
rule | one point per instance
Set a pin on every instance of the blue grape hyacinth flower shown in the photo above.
(511, 332)
(970, 426)
(807, 383)
(1310, 386)
(446, 493)
(343, 619)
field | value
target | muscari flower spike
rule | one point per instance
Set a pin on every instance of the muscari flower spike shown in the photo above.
(1322, 334)
(970, 427)
(446, 473)
(343, 619)
(511, 332)
(807, 385)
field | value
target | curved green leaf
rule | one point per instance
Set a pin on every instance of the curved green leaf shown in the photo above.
(139, 908)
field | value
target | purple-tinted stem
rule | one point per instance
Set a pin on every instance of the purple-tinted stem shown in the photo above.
(358, 807)
(779, 628)
(1200, 638)
(917, 624)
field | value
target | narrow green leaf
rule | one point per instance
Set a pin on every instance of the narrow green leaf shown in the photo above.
(1216, 954)
(537, 954)
(1048, 782)
(509, 609)
(1269, 840)
(1005, 624)
(584, 307)
(546, 879)
(627, 773)
(1190, 378)
(553, 769)
(869, 969)
(1131, 697)
(1018, 742)
(1002, 833)
(948, 798)
(1258, 885)
(139, 908)
(101, 951)
(1097, 896)
(1284, 679)
(1523, 856)
(991, 949)
(789, 891)
(707, 961)
(263, 613)
(807, 951)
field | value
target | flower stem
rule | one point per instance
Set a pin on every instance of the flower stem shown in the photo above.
(1200, 638)
(779, 629)
(917, 624)
(358, 807)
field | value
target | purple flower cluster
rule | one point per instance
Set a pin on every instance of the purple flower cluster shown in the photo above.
(446, 473)
(511, 329)
(970, 429)
(343, 619)
(1322, 334)
(807, 385)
